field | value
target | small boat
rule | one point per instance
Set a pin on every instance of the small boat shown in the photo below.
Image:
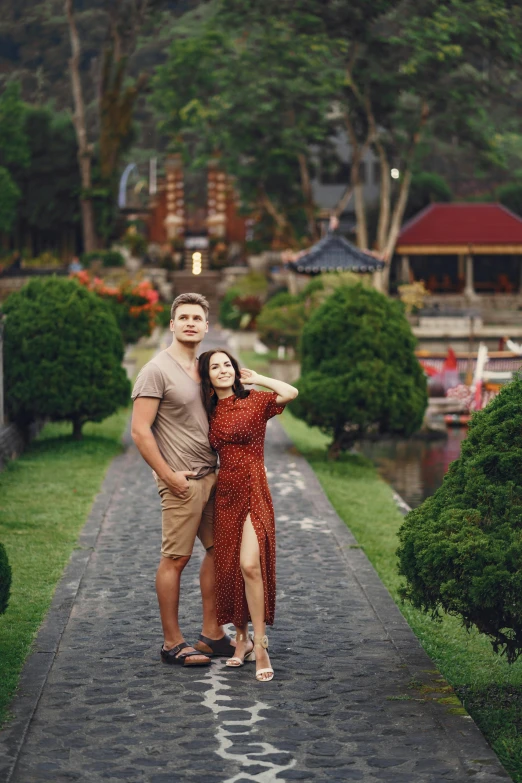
(457, 419)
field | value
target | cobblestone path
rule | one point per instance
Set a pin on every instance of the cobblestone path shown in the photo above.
(345, 704)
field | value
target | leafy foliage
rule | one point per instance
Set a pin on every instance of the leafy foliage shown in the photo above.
(229, 315)
(425, 189)
(9, 198)
(359, 370)
(217, 92)
(13, 151)
(135, 305)
(50, 183)
(511, 196)
(461, 551)
(5, 579)
(63, 353)
(107, 257)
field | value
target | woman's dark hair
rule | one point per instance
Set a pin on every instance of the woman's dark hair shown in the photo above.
(209, 399)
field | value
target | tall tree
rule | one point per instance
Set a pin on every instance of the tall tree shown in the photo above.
(85, 147)
(259, 98)
(407, 68)
(13, 151)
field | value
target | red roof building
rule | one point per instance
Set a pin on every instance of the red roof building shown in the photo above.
(462, 248)
(462, 228)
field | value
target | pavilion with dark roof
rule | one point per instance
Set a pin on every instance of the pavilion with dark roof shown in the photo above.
(463, 249)
(333, 253)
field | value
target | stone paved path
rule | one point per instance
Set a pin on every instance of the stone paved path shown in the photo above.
(340, 708)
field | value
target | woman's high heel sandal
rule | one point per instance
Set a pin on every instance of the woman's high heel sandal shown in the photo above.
(236, 661)
(262, 641)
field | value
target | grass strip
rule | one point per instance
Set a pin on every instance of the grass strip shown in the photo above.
(490, 689)
(45, 498)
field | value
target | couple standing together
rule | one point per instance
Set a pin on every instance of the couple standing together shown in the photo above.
(188, 410)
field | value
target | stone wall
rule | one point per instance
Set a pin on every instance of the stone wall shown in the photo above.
(13, 441)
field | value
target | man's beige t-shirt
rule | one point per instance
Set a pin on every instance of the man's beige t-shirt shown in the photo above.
(181, 425)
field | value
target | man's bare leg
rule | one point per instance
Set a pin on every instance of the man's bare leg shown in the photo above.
(168, 580)
(207, 580)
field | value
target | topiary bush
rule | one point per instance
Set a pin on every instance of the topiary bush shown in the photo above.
(461, 551)
(359, 371)
(5, 579)
(62, 352)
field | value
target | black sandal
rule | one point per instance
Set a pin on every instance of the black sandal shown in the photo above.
(215, 648)
(171, 656)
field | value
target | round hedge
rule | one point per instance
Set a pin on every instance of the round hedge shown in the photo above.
(461, 551)
(359, 370)
(5, 579)
(62, 355)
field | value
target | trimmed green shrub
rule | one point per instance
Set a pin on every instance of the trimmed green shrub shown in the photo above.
(359, 371)
(5, 579)
(282, 325)
(63, 352)
(461, 551)
(511, 196)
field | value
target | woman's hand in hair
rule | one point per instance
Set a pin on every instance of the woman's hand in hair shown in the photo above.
(249, 376)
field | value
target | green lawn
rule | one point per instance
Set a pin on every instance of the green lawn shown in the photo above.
(490, 689)
(45, 498)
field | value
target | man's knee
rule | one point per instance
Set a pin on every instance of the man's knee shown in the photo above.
(174, 563)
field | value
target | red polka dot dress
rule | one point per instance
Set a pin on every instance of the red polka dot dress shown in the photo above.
(237, 432)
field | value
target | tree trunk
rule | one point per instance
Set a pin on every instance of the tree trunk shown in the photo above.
(77, 429)
(85, 150)
(398, 214)
(306, 186)
(384, 197)
(334, 449)
(361, 229)
(400, 206)
(343, 202)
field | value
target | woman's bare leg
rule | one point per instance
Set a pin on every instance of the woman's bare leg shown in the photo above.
(250, 562)
(243, 643)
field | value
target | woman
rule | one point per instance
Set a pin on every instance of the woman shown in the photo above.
(244, 526)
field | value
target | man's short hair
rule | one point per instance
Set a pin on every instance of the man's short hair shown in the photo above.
(196, 299)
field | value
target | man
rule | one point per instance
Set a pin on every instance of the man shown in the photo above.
(170, 429)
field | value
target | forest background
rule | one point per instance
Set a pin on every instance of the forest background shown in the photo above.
(435, 89)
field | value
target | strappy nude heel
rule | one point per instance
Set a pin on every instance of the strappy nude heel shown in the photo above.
(262, 641)
(235, 661)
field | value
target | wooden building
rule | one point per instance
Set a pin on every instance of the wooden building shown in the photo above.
(463, 251)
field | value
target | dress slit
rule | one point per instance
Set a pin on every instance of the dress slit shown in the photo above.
(262, 545)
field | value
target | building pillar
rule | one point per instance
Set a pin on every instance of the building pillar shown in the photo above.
(405, 272)
(469, 289)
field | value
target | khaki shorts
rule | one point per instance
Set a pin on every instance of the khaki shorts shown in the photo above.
(182, 519)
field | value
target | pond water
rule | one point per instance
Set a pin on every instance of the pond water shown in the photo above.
(415, 468)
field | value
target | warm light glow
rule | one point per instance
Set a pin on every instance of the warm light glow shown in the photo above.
(196, 263)
(395, 174)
